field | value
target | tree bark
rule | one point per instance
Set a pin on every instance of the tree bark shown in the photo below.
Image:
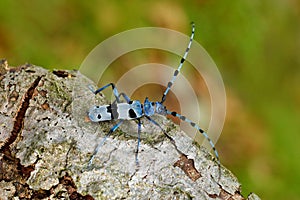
(46, 141)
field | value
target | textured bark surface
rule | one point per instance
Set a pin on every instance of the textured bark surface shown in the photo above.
(46, 142)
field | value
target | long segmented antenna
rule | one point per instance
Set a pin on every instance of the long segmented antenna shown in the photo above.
(183, 118)
(170, 83)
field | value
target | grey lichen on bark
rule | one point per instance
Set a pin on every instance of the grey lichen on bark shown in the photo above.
(46, 141)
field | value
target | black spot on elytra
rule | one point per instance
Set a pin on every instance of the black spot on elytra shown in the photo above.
(112, 109)
(108, 109)
(131, 113)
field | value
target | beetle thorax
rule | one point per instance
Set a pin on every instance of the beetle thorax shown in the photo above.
(150, 108)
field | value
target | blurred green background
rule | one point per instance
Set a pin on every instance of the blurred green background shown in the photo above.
(255, 43)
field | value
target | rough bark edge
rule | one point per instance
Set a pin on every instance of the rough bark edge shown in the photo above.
(14, 175)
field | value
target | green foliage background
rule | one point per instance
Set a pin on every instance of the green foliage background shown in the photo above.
(255, 43)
